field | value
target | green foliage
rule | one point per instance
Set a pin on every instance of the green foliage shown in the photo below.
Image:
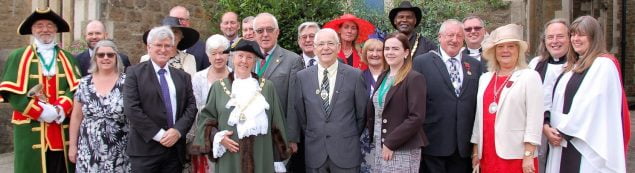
(289, 13)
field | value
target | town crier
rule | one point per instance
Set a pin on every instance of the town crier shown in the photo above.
(38, 81)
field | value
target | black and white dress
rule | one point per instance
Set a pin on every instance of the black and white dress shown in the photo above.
(103, 132)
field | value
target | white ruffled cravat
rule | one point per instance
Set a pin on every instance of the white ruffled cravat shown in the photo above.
(47, 51)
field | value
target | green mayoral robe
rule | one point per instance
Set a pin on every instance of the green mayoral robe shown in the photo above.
(256, 154)
(32, 138)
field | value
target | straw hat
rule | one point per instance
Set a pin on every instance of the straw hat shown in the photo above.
(364, 28)
(503, 34)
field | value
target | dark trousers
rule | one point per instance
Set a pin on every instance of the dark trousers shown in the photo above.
(445, 164)
(296, 163)
(55, 161)
(330, 167)
(167, 162)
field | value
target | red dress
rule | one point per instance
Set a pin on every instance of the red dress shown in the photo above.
(357, 61)
(490, 162)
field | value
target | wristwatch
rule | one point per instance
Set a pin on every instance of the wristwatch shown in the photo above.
(529, 154)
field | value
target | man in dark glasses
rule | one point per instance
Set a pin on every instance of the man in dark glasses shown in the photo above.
(95, 32)
(474, 31)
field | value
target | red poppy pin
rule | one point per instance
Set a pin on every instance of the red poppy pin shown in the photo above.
(467, 68)
(509, 84)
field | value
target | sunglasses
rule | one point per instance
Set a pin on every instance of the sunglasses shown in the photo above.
(109, 55)
(475, 29)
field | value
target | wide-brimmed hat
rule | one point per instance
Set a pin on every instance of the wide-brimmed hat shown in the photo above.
(39, 14)
(403, 6)
(190, 36)
(246, 45)
(364, 28)
(503, 34)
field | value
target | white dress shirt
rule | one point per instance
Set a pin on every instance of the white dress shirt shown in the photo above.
(446, 59)
(332, 75)
(172, 91)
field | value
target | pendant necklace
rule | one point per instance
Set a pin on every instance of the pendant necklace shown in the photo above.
(493, 107)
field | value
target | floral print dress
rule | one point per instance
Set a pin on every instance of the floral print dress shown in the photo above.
(103, 133)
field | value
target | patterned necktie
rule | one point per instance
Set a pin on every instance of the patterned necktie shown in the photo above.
(454, 76)
(324, 92)
(311, 62)
(166, 97)
(262, 61)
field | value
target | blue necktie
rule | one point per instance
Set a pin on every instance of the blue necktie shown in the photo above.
(454, 76)
(166, 97)
(311, 62)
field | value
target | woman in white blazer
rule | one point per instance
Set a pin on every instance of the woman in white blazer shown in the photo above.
(510, 109)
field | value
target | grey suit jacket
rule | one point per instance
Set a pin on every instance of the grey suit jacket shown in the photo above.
(335, 135)
(282, 71)
(448, 117)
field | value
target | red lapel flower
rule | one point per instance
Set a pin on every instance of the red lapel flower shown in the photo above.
(467, 68)
(509, 83)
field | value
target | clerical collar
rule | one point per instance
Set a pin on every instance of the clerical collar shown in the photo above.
(473, 51)
(561, 60)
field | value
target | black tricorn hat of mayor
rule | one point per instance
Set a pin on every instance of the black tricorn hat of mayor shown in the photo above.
(246, 45)
(39, 14)
(405, 6)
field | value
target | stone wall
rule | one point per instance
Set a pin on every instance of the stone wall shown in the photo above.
(131, 18)
(629, 77)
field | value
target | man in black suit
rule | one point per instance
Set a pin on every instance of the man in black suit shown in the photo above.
(198, 49)
(95, 32)
(160, 106)
(474, 30)
(452, 84)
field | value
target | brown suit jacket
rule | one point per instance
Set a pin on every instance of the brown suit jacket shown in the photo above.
(403, 114)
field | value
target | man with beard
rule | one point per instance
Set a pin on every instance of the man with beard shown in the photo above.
(39, 81)
(405, 19)
(95, 32)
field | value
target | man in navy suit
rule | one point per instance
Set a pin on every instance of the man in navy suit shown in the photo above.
(160, 106)
(452, 83)
(95, 32)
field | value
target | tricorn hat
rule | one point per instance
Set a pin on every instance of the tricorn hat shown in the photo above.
(403, 6)
(44, 14)
(246, 45)
(190, 36)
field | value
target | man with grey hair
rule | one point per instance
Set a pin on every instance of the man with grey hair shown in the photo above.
(331, 116)
(452, 83)
(474, 30)
(248, 29)
(95, 32)
(198, 49)
(306, 34)
(279, 66)
(160, 106)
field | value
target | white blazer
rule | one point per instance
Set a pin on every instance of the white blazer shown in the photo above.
(519, 116)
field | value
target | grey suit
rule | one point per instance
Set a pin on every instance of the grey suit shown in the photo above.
(282, 70)
(334, 136)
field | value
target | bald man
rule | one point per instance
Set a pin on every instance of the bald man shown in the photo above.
(95, 32)
(198, 49)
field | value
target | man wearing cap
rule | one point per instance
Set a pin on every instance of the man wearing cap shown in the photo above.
(280, 65)
(405, 19)
(229, 26)
(330, 101)
(160, 106)
(452, 83)
(197, 49)
(184, 37)
(95, 32)
(38, 81)
(306, 34)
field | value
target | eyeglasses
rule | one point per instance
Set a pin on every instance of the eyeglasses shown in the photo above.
(308, 36)
(268, 30)
(475, 29)
(162, 46)
(329, 44)
(109, 55)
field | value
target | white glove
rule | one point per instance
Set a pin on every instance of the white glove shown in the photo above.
(49, 114)
(61, 115)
